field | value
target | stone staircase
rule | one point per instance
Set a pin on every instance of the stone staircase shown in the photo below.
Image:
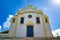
(4, 37)
(27, 38)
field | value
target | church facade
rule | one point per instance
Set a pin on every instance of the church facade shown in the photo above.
(30, 22)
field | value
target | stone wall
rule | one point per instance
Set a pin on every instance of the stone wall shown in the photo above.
(3, 35)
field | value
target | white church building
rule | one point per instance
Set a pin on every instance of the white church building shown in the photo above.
(30, 22)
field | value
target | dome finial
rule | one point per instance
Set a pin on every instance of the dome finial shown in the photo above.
(29, 6)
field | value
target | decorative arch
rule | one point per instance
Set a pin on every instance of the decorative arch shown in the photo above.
(30, 23)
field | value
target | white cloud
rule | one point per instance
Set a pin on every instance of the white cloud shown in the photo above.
(7, 23)
(55, 2)
(44, 8)
(0, 27)
(56, 32)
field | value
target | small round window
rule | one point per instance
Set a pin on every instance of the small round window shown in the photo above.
(29, 16)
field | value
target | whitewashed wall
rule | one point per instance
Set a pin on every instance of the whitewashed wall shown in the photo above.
(48, 30)
(11, 31)
(21, 30)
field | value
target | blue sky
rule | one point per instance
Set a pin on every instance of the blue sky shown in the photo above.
(51, 8)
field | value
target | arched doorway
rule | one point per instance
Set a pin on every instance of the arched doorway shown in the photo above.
(30, 31)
